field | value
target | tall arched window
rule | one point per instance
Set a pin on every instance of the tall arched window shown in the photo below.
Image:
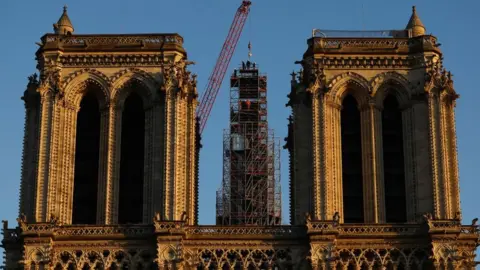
(352, 180)
(86, 160)
(132, 161)
(393, 160)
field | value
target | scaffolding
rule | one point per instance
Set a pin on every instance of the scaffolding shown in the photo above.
(250, 193)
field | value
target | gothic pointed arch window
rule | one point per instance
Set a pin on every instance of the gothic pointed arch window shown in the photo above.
(393, 160)
(352, 180)
(132, 157)
(87, 156)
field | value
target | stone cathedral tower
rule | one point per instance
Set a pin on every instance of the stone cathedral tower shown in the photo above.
(109, 134)
(110, 130)
(372, 147)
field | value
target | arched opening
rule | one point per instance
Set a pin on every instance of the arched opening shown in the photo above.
(86, 161)
(352, 180)
(132, 161)
(393, 161)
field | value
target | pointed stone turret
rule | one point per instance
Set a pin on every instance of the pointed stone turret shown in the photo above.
(64, 25)
(415, 24)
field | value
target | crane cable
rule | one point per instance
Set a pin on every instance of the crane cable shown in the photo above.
(250, 36)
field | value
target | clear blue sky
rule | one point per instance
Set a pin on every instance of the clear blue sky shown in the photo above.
(278, 30)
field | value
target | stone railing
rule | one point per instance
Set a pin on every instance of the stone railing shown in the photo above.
(363, 229)
(107, 230)
(444, 224)
(316, 226)
(452, 225)
(171, 227)
(87, 230)
(37, 228)
(180, 228)
(380, 229)
(246, 230)
(76, 40)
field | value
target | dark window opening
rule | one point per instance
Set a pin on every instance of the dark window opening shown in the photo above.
(131, 161)
(86, 161)
(352, 179)
(393, 161)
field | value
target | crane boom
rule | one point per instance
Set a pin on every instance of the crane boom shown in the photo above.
(218, 73)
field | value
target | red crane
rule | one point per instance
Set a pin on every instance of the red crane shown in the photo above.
(218, 73)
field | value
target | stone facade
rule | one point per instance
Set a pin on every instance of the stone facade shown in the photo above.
(407, 65)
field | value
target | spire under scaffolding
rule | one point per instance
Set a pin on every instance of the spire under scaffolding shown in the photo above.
(250, 193)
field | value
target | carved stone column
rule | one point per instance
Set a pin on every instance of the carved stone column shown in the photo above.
(44, 155)
(191, 152)
(320, 185)
(179, 141)
(103, 165)
(55, 161)
(332, 153)
(440, 203)
(169, 184)
(30, 151)
(113, 164)
(449, 154)
(445, 144)
(372, 164)
(455, 197)
(180, 166)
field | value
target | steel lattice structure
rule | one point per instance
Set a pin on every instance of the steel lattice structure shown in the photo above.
(250, 191)
(220, 69)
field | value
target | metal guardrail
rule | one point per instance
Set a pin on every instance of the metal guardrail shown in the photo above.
(359, 33)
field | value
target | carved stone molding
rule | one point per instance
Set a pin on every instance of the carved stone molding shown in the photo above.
(352, 81)
(132, 71)
(112, 60)
(334, 43)
(87, 40)
(382, 84)
(101, 77)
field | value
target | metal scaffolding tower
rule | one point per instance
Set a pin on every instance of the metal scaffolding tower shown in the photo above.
(250, 193)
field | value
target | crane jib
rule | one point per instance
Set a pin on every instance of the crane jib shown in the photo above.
(221, 66)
